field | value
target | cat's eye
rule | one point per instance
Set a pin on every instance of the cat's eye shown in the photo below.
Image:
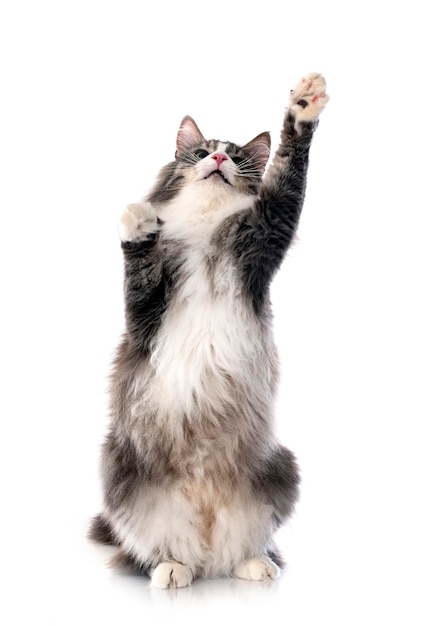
(201, 154)
(238, 160)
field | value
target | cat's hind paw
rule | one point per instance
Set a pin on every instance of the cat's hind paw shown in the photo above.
(138, 222)
(171, 575)
(259, 568)
(308, 98)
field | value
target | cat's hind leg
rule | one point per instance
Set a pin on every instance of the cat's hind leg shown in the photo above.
(308, 98)
(170, 575)
(258, 568)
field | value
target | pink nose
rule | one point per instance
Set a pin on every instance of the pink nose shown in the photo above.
(219, 157)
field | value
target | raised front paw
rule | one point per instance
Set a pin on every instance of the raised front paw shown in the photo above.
(308, 98)
(138, 222)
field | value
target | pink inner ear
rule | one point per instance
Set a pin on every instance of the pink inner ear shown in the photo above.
(259, 149)
(189, 135)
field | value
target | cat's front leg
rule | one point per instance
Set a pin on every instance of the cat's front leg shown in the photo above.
(145, 284)
(266, 234)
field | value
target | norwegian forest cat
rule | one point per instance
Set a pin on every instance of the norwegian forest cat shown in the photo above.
(195, 483)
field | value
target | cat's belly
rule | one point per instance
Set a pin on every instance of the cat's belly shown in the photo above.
(197, 524)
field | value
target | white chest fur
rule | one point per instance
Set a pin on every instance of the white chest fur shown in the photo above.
(204, 338)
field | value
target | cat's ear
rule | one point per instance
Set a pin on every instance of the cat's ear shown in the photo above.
(259, 150)
(189, 135)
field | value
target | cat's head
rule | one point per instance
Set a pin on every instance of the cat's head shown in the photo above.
(212, 166)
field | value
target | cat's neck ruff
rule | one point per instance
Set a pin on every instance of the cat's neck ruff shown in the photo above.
(200, 207)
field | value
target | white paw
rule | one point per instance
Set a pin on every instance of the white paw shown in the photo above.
(171, 575)
(259, 568)
(137, 222)
(308, 98)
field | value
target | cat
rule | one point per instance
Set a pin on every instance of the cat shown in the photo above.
(195, 482)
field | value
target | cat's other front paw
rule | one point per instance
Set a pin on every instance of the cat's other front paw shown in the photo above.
(138, 221)
(308, 98)
(170, 575)
(259, 568)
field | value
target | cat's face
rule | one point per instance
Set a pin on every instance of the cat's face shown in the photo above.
(220, 163)
(212, 167)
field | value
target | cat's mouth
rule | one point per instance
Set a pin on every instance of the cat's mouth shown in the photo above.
(217, 173)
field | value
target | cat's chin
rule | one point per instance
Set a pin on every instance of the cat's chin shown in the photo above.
(216, 176)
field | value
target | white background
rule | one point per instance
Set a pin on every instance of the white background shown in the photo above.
(92, 94)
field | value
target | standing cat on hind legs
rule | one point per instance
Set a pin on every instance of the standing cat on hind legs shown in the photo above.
(195, 483)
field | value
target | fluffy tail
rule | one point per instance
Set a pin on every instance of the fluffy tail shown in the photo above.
(100, 530)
